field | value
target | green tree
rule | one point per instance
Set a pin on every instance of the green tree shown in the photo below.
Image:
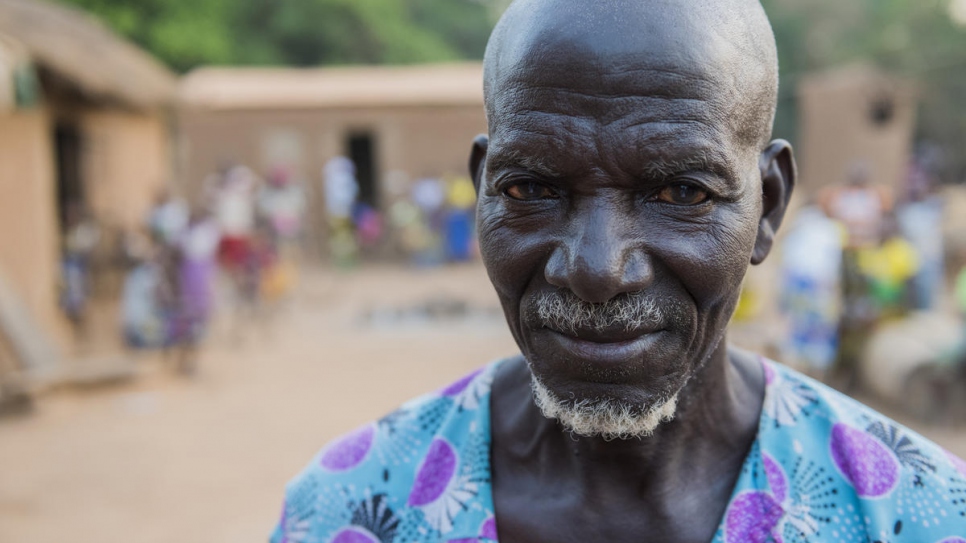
(333, 32)
(180, 33)
(299, 32)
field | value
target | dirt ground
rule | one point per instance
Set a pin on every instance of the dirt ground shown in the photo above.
(164, 458)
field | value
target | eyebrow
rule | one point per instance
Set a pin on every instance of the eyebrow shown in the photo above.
(512, 158)
(699, 161)
(654, 169)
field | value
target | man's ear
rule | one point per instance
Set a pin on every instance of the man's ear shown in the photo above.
(478, 160)
(778, 175)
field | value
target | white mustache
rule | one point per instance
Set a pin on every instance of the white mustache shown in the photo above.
(564, 311)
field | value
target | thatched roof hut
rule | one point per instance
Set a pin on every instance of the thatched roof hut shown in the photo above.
(71, 46)
(84, 124)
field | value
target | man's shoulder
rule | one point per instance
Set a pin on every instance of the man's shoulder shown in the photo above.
(839, 468)
(395, 472)
(793, 399)
(802, 406)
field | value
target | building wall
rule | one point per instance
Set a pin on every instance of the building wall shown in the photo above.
(29, 241)
(126, 162)
(410, 143)
(837, 128)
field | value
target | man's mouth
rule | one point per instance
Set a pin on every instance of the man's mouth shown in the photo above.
(610, 334)
(608, 346)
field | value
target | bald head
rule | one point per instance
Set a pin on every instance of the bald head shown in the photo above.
(719, 51)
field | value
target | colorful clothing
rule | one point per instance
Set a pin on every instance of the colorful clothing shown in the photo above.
(822, 468)
(196, 281)
(811, 288)
(142, 317)
(921, 222)
(888, 267)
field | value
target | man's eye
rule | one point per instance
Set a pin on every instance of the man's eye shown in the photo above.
(682, 194)
(528, 191)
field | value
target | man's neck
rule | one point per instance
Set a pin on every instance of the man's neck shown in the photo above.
(716, 419)
(696, 457)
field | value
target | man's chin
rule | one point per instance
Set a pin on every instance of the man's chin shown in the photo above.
(607, 418)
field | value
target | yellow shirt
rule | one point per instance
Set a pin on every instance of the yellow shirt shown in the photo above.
(892, 263)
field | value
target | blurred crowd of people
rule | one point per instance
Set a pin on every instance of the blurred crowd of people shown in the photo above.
(243, 228)
(428, 222)
(857, 257)
(240, 243)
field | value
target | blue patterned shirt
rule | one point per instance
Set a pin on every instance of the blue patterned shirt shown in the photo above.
(823, 468)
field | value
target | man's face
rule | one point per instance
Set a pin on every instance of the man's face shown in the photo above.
(608, 188)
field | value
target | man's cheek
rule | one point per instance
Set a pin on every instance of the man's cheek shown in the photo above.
(511, 246)
(507, 258)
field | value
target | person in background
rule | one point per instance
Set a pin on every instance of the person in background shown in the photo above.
(281, 203)
(920, 220)
(281, 210)
(860, 207)
(81, 237)
(234, 210)
(409, 231)
(888, 268)
(811, 294)
(198, 248)
(168, 218)
(341, 191)
(458, 221)
(142, 320)
(429, 195)
(368, 226)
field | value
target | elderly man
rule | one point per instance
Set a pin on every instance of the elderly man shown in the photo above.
(626, 184)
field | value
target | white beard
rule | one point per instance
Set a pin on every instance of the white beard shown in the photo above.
(608, 419)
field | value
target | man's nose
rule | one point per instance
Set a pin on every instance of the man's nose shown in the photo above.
(600, 257)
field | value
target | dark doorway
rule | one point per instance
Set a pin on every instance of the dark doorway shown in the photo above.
(70, 184)
(362, 152)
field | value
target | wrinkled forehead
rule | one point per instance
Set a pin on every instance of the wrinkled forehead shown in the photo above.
(657, 62)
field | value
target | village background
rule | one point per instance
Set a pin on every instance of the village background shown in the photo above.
(120, 118)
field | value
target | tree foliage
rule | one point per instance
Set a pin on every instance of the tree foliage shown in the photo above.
(185, 34)
(182, 34)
